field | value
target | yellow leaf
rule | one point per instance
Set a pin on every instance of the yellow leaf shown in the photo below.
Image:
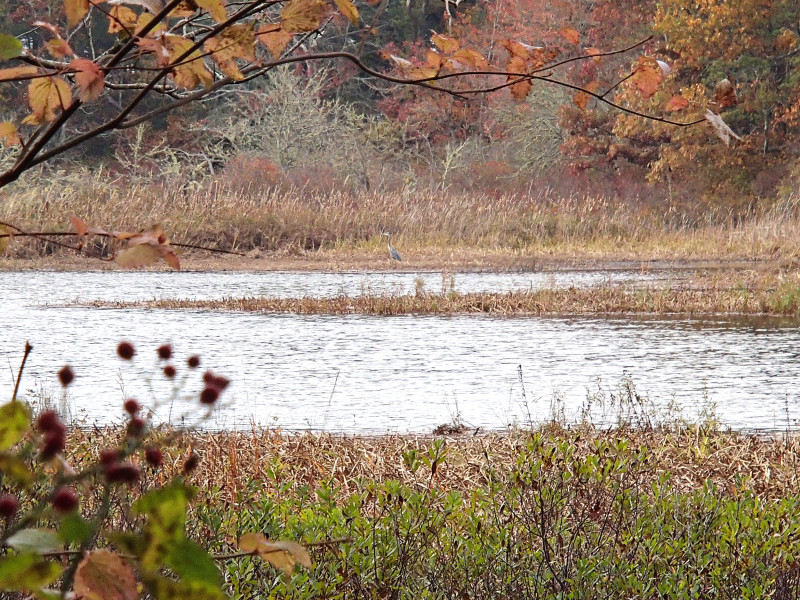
(237, 41)
(282, 555)
(17, 72)
(274, 38)
(401, 63)
(144, 19)
(190, 71)
(45, 95)
(434, 59)
(303, 15)
(89, 78)
(184, 9)
(215, 8)
(140, 255)
(423, 73)
(348, 9)
(516, 49)
(10, 137)
(121, 18)
(445, 43)
(8, 235)
(76, 10)
(103, 575)
(472, 58)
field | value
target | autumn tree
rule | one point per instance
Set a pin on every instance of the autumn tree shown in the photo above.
(734, 61)
(155, 57)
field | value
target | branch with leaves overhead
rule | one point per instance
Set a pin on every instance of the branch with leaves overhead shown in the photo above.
(162, 55)
(128, 249)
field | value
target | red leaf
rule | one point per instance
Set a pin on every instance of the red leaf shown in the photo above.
(570, 34)
(89, 78)
(677, 102)
(647, 75)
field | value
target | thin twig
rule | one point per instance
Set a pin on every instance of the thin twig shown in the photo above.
(28, 349)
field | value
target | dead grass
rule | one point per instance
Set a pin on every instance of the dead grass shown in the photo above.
(296, 223)
(692, 455)
(722, 294)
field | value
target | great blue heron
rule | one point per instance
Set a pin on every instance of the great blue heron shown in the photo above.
(392, 250)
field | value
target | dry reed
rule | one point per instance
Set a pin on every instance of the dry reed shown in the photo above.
(692, 455)
(717, 297)
(292, 219)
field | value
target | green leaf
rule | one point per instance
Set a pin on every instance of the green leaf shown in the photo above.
(166, 511)
(167, 589)
(10, 46)
(17, 469)
(15, 418)
(193, 563)
(74, 529)
(35, 540)
(128, 543)
(27, 572)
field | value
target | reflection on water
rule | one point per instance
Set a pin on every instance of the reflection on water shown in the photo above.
(57, 288)
(371, 374)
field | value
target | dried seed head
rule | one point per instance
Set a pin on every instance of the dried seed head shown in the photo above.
(193, 361)
(131, 406)
(123, 473)
(169, 371)
(125, 350)
(136, 427)
(153, 456)
(108, 457)
(66, 375)
(191, 463)
(209, 395)
(48, 420)
(9, 506)
(54, 442)
(65, 500)
(165, 352)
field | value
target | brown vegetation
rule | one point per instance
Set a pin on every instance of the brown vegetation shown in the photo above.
(712, 295)
(692, 455)
(427, 228)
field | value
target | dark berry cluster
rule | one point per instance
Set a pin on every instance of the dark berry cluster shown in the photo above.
(215, 385)
(66, 375)
(54, 434)
(65, 500)
(9, 506)
(117, 470)
(125, 350)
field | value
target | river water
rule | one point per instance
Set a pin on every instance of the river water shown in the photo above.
(365, 374)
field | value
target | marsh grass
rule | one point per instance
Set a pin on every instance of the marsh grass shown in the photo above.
(711, 296)
(685, 511)
(298, 220)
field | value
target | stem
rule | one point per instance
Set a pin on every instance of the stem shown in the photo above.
(28, 349)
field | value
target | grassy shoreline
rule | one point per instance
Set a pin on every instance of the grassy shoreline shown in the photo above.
(429, 228)
(682, 512)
